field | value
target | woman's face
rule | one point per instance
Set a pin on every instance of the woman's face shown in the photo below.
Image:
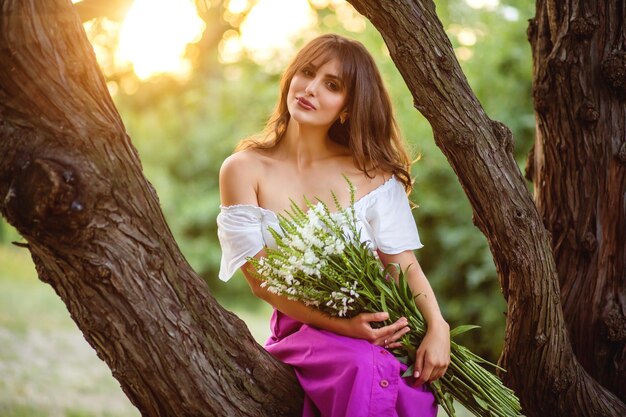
(316, 94)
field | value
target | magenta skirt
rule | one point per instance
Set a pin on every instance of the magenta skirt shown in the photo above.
(346, 377)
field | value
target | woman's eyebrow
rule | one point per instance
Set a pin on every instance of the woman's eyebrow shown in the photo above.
(330, 75)
(334, 77)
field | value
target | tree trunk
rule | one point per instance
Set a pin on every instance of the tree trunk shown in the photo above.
(538, 356)
(71, 183)
(579, 172)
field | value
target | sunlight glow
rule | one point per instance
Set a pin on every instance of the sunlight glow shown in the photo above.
(510, 13)
(349, 17)
(271, 28)
(483, 4)
(155, 34)
(466, 37)
(320, 4)
(230, 48)
(237, 6)
(463, 53)
(273, 25)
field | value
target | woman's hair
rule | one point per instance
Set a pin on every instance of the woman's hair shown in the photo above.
(370, 131)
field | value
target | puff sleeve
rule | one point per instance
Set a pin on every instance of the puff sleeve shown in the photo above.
(391, 222)
(239, 230)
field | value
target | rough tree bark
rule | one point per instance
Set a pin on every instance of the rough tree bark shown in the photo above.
(578, 167)
(538, 355)
(72, 184)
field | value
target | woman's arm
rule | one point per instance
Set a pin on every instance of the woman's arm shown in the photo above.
(433, 354)
(238, 185)
(358, 327)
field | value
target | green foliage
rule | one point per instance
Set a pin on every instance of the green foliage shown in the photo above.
(7, 233)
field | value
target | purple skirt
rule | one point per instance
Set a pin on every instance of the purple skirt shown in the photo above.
(346, 377)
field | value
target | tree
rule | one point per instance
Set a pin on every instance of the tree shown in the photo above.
(578, 169)
(72, 185)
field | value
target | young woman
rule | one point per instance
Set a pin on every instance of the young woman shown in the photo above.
(334, 117)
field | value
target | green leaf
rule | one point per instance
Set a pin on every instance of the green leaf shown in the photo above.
(403, 359)
(383, 303)
(408, 372)
(462, 329)
(481, 402)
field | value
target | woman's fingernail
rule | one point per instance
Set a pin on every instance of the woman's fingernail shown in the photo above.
(416, 374)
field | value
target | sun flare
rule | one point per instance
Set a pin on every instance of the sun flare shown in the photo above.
(272, 26)
(154, 36)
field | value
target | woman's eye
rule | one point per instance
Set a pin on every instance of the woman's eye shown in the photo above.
(332, 86)
(307, 72)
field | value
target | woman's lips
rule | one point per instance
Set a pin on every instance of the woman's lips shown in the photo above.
(305, 103)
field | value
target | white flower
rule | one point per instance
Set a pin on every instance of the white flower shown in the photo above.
(339, 218)
(309, 257)
(297, 243)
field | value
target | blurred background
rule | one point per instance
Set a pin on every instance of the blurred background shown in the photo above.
(190, 79)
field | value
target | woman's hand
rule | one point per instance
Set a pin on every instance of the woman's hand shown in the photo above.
(360, 327)
(433, 354)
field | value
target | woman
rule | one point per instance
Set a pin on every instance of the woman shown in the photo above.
(334, 117)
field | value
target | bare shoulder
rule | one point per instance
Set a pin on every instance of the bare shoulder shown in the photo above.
(241, 161)
(374, 178)
(239, 176)
(379, 177)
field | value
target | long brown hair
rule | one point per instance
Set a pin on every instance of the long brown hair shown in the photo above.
(370, 131)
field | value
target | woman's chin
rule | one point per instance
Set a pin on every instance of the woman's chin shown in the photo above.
(303, 120)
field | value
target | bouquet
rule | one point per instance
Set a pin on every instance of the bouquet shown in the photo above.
(321, 261)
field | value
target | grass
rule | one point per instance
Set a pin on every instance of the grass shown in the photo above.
(21, 411)
(24, 299)
(47, 368)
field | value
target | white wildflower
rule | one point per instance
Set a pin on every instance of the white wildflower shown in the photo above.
(297, 243)
(309, 257)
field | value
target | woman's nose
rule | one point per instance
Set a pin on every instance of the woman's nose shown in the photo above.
(311, 87)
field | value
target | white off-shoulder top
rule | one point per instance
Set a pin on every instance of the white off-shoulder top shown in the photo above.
(384, 219)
